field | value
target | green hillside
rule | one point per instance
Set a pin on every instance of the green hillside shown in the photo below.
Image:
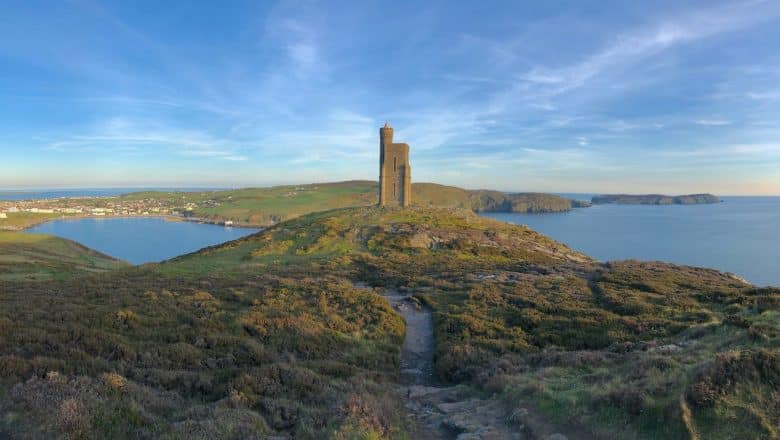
(275, 334)
(267, 206)
(441, 196)
(17, 221)
(655, 199)
(35, 257)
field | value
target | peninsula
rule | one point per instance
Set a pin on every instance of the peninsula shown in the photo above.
(654, 199)
(263, 207)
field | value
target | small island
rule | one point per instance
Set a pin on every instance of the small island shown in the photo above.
(654, 199)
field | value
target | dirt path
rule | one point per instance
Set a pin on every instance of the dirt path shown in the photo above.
(436, 412)
(417, 350)
(439, 412)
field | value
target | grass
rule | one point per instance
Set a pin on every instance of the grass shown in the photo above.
(267, 206)
(36, 257)
(616, 352)
(267, 335)
(17, 221)
(251, 355)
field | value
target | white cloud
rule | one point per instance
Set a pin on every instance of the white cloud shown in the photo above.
(726, 152)
(636, 46)
(713, 122)
(536, 76)
(121, 134)
(765, 96)
(299, 38)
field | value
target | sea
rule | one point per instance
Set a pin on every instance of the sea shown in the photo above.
(139, 240)
(741, 235)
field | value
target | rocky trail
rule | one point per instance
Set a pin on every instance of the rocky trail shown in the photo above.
(451, 412)
(440, 412)
(417, 350)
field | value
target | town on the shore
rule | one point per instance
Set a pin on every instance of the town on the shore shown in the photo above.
(104, 207)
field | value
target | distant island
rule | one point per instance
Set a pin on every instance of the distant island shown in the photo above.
(654, 199)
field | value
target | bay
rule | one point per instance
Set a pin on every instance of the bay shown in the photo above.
(740, 235)
(141, 240)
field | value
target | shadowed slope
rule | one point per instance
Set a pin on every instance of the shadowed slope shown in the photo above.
(34, 257)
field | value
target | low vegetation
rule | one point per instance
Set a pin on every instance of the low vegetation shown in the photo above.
(273, 334)
(268, 206)
(17, 221)
(137, 354)
(35, 257)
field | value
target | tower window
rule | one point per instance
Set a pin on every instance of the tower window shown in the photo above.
(395, 163)
(394, 194)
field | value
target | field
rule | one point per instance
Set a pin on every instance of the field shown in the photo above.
(275, 334)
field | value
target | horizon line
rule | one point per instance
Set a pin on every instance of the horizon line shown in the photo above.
(188, 188)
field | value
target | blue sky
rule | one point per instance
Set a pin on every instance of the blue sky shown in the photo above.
(567, 96)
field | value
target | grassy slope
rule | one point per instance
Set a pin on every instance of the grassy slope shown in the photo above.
(34, 257)
(266, 206)
(626, 348)
(268, 334)
(18, 221)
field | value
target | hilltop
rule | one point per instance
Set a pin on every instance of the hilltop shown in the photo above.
(286, 332)
(262, 207)
(655, 199)
(268, 206)
(35, 257)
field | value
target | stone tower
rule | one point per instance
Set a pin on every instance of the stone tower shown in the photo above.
(395, 174)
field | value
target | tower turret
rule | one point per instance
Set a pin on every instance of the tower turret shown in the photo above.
(395, 173)
(386, 134)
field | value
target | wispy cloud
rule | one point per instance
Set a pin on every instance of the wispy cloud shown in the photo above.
(142, 137)
(727, 152)
(713, 122)
(299, 38)
(636, 46)
(765, 96)
(296, 90)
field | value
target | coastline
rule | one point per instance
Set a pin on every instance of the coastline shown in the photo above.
(169, 218)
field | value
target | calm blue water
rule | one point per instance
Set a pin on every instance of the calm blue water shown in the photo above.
(88, 192)
(141, 240)
(740, 235)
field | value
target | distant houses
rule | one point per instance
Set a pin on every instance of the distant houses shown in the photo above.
(3, 215)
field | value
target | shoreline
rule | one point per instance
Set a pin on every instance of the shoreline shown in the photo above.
(169, 218)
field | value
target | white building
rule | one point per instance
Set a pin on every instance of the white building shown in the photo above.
(3, 215)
